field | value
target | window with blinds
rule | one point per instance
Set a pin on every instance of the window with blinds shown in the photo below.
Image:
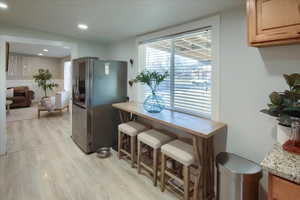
(187, 58)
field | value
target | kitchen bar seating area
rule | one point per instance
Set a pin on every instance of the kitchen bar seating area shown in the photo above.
(166, 152)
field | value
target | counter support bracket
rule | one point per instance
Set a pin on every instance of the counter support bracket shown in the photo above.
(205, 159)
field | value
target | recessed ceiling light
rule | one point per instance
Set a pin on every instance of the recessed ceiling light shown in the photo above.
(46, 50)
(3, 5)
(40, 54)
(82, 26)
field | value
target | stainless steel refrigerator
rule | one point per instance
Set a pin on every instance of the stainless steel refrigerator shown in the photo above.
(97, 84)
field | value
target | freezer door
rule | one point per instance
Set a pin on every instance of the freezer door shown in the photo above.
(105, 120)
(81, 133)
(109, 83)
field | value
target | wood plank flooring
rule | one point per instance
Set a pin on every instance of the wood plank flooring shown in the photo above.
(43, 163)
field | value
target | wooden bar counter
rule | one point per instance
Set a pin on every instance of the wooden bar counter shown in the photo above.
(202, 130)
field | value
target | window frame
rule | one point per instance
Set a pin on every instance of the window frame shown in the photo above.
(214, 24)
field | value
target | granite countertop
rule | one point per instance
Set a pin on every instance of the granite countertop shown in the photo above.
(282, 164)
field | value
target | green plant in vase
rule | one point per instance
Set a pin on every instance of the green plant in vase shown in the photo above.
(285, 106)
(153, 103)
(43, 79)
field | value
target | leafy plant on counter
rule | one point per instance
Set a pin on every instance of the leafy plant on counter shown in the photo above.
(43, 79)
(286, 105)
(151, 78)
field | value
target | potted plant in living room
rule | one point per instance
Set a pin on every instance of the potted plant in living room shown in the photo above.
(285, 106)
(153, 103)
(43, 79)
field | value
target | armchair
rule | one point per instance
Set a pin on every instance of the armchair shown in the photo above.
(21, 97)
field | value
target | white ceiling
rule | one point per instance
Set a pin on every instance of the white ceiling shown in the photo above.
(108, 20)
(35, 49)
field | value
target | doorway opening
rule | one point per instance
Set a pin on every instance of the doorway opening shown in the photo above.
(22, 94)
(36, 72)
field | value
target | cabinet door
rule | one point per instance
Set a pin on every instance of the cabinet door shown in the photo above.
(273, 20)
(281, 189)
(278, 13)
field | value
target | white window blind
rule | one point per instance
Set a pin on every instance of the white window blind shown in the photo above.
(159, 60)
(188, 60)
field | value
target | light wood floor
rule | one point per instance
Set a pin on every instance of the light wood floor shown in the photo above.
(43, 163)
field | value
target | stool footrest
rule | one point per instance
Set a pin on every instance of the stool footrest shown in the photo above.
(174, 177)
(177, 191)
(125, 152)
(146, 167)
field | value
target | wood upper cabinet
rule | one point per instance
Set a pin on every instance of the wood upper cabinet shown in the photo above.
(273, 22)
(281, 189)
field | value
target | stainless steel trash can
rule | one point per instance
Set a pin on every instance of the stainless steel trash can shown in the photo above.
(237, 177)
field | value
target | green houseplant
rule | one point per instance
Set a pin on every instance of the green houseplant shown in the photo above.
(153, 103)
(43, 79)
(285, 106)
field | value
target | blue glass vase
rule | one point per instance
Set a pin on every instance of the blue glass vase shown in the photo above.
(154, 103)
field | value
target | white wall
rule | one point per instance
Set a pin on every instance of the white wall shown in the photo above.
(2, 99)
(83, 48)
(124, 51)
(247, 76)
(23, 67)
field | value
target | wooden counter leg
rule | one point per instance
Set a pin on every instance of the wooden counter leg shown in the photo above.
(204, 152)
(121, 116)
(124, 116)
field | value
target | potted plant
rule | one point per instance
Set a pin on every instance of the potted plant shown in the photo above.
(43, 79)
(153, 103)
(285, 106)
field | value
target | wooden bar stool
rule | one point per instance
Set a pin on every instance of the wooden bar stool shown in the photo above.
(182, 153)
(154, 139)
(131, 129)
